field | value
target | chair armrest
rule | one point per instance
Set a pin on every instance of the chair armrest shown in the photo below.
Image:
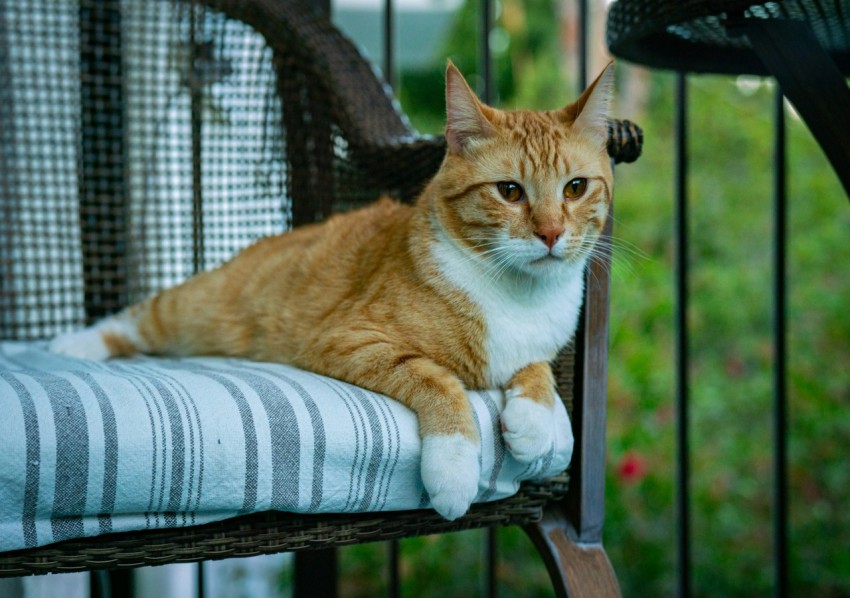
(625, 140)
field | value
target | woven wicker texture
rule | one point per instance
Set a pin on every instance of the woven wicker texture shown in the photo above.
(699, 35)
(141, 142)
(267, 533)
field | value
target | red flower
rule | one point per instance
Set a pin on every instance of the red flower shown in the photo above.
(632, 468)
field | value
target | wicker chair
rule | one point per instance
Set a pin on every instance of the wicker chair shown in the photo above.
(192, 129)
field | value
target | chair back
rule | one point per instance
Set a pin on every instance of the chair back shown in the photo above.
(141, 142)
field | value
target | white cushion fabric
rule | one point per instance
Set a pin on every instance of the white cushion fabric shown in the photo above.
(89, 448)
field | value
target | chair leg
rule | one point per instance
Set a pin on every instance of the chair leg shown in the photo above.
(316, 573)
(577, 570)
(111, 583)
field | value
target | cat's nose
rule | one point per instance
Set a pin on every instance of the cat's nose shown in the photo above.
(549, 234)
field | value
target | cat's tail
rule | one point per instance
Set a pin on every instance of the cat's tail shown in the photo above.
(192, 318)
(169, 323)
(118, 335)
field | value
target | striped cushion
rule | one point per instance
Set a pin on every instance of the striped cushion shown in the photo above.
(91, 448)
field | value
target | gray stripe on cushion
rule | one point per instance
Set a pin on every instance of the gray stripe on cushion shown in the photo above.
(186, 401)
(125, 372)
(169, 396)
(110, 455)
(320, 442)
(157, 508)
(498, 445)
(285, 439)
(358, 424)
(282, 445)
(377, 453)
(366, 472)
(33, 456)
(177, 450)
(480, 452)
(249, 432)
(393, 446)
(546, 462)
(72, 455)
(317, 424)
(200, 489)
(193, 419)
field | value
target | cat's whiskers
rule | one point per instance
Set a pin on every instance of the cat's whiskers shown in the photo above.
(504, 258)
(624, 246)
(491, 261)
(486, 256)
(622, 253)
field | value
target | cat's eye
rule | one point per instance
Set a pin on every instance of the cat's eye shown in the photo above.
(510, 191)
(575, 188)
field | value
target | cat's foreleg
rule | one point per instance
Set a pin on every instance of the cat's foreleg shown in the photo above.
(451, 445)
(527, 419)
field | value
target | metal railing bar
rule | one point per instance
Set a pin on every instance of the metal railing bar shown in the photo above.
(389, 46)
(682, 498)
(394, 557)
(582, 45)
(780, 406)
(103, 181)
(486, 70)
(394, 582)
(196, 20)
(484, 58)
(490, 542)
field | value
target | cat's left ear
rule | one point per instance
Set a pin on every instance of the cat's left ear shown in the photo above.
(590, 112)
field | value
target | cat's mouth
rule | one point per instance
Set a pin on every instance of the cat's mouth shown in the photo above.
(549, 258)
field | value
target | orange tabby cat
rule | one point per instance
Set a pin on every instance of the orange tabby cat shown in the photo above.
(478, 285)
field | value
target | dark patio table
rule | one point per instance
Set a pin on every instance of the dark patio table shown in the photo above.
(804, 44)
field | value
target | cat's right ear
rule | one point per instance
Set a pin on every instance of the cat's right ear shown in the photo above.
(466, 117)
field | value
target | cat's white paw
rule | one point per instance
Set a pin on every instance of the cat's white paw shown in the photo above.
(450, 472)
(82, 344)
(528, 428)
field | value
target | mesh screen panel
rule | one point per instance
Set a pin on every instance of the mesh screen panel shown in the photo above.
(141, 142)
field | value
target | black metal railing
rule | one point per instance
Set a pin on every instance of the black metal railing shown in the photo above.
(682, 496)
(683, 501)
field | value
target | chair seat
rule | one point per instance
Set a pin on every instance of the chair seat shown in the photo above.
(152, 443)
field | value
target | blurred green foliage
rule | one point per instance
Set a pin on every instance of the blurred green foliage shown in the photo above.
(525, 63)
(730, 318)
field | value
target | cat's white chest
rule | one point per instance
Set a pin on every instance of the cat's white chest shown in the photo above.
(526, 322)
(518, 335)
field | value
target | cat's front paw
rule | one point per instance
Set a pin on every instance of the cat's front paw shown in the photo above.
(82, 344)
(450, 472)
(528, 428)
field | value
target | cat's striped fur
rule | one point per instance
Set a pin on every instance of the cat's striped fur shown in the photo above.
(477, 285)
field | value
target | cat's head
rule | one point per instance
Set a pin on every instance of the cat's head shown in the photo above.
(527, 191)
